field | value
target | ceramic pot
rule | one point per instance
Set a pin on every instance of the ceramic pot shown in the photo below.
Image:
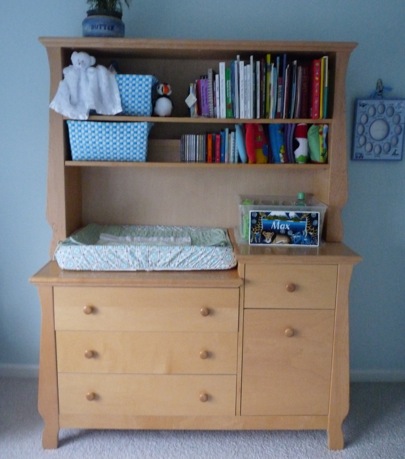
(100, 23)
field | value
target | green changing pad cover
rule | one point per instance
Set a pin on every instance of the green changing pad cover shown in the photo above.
(146, 248)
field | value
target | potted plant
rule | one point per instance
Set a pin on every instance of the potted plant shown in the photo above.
(104, 18)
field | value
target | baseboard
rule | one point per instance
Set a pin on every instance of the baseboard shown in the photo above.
(18, 371)
(377, 376)
(31, 371)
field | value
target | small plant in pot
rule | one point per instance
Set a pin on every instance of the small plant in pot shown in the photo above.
(104, 18)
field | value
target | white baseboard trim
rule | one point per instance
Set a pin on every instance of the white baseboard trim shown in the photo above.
(377, 375)
(10, 370)
(31, 371)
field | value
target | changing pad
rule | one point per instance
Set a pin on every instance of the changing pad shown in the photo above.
(146, 248)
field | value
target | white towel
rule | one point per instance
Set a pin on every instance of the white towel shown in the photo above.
(86, 88)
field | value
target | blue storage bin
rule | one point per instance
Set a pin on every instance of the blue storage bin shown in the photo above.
(136, 94)
(108, 141)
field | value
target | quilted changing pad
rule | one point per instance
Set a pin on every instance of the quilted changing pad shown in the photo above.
(146, 248)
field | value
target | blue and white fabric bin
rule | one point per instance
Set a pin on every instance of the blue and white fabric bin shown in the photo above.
(108, 141)
(136, 94)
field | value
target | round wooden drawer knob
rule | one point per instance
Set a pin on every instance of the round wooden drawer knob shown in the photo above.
(88, 309)
(91, 396)
(203, 397)
(89, 354)
(205, 311)
(289, 332)
(290, 287)
(204, 355)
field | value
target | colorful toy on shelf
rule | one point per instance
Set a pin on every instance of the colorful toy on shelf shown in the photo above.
(301, 143)
(256, 144)
(163, 104)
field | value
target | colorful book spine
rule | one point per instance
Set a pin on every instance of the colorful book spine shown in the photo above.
(235, 87)
(268, 84)
(321, 82)
(325, 64)
(315, 88)
(252, 89)
(305, 91)
(242, 113)
(258, 89)
(217, 148)
(228, 93)
(240, 143)
(222, 90)
(298, 97)
(202, 94)
(294, 89)
(217, 97)
(211, 93)
(210, 148)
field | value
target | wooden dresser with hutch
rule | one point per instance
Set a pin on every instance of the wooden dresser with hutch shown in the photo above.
(262, 346)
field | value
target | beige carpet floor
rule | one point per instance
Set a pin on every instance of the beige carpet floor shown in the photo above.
(374, 429)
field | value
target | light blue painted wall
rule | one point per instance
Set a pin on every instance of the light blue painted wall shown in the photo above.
(374, 216)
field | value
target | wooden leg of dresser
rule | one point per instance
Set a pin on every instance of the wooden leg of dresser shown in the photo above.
(339, 393)
(48, 384)
(50, 437)
(335, 436)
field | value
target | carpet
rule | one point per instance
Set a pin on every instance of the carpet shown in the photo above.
(374, 429)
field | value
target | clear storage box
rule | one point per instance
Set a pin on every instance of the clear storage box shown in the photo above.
(276, 220)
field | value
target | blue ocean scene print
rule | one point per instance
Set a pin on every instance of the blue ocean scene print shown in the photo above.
(290, 228)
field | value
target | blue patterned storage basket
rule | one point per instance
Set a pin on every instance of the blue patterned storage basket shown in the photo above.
(108, 141)
(136, 94)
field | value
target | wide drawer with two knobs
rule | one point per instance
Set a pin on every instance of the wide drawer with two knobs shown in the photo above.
(146, 309)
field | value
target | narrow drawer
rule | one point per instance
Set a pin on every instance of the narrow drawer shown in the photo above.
(146, 309)
(148, 353)
(143, 395)
(290, 286)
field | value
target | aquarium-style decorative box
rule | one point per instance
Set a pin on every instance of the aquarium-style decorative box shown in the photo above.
(266, 220)
(290, 227)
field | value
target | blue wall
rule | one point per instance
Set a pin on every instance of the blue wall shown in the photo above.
(374, 216)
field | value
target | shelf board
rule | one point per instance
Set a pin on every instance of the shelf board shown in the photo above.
(186, 49)
(203, 120)
(140, 164)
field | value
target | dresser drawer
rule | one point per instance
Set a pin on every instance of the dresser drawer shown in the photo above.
(140, 352)
(287, 362)
(290, 286)
(146, 309)
(141, 395)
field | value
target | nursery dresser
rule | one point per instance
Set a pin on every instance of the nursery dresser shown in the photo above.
(261, 346)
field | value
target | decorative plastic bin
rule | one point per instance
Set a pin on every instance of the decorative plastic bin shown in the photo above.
(108, 141)
(278, 220)
(136, 94)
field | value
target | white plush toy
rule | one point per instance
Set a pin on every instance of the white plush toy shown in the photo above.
(86, 88)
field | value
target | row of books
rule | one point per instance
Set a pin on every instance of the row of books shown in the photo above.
(283, 143)
(269, 87)
(209, 148)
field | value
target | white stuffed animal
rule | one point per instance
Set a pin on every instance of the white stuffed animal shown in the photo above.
(86, 88)
(163, 105)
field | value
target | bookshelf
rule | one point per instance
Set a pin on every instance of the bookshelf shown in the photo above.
(165, 191)
(68, 206)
